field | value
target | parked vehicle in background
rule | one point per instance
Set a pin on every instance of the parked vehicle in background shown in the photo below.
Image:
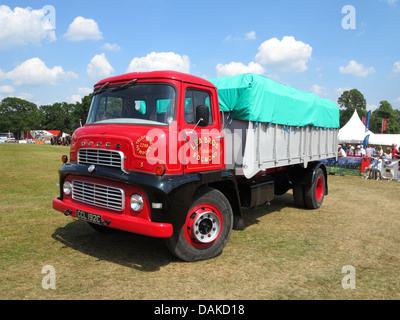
(7, 137)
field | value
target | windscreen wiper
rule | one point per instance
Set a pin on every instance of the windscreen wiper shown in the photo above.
(130, 83)
(101, 89)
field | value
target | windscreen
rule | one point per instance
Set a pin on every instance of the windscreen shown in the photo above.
(148, 104)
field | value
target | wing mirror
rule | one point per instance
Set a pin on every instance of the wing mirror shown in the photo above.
(202, 116)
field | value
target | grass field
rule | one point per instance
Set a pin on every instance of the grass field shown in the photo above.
(283, 253)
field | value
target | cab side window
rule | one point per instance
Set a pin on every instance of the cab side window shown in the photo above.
(193, 99)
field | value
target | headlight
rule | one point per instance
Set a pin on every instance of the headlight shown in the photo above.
(67, 187)
(137, 202)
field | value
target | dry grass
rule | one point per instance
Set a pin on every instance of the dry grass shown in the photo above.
(283, 253)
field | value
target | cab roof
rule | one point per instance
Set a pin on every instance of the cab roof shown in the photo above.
(166, 74)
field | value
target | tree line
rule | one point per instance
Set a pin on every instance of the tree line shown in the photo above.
(18, 115)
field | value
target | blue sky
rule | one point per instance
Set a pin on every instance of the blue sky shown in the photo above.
(318, 46)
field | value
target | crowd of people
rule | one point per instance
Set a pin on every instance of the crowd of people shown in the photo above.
(376, 154)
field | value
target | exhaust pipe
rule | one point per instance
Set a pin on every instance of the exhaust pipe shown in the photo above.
(67, 212)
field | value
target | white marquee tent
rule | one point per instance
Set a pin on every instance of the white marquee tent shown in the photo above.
(385, 139)
(354, 132)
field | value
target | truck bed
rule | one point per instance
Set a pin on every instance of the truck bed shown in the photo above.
(254, 146)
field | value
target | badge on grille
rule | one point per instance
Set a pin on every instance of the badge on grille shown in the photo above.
(91, 168)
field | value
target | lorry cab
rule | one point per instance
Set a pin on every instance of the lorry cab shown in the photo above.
(150, 117)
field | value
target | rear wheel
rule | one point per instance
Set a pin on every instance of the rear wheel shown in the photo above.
(206, 230)
(314, 193)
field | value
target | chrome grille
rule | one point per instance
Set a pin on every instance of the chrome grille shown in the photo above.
(101, 157)
(98, 194)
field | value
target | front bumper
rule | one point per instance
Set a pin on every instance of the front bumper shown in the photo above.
(120, 221)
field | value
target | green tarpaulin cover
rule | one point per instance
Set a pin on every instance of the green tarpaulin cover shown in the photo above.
(255, 97)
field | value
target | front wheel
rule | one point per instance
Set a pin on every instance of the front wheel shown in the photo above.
(206, 230)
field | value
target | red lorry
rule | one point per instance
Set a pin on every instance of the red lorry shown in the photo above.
(161, 156)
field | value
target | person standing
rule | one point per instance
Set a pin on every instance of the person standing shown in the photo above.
(368, 152)
(362, 150)
(394, 151)
(388, 154)
(341, 152)
(350, 151)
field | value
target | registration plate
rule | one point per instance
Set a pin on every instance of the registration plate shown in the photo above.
(89, 217)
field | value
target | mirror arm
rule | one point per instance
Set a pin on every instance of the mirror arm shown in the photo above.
(200, 120)
(189, 133)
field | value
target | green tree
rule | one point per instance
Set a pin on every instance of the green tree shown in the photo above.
(18, 115)
(81, 110)
(385, 111)
(348, 102)
(58, 116)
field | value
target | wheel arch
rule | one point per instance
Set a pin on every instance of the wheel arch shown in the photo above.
(312, 169)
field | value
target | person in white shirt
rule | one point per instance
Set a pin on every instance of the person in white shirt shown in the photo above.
(388, 154)
(362, 151)
(377, 168)
(341, 152)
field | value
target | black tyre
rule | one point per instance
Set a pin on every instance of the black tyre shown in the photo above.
(298, 195)
(314, 193)
(206, 230)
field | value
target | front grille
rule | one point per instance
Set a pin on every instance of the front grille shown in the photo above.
(98, 194)
(101, 157)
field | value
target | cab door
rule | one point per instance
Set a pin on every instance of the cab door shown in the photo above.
(201, 129)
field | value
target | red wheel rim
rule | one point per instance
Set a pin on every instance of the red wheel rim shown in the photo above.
(319, 189)
(203, 225)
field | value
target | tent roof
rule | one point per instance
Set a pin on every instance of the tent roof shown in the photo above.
(53, 132)
(385, 139)
(354, 130)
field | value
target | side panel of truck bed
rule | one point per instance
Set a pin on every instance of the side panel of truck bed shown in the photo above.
(253, 146)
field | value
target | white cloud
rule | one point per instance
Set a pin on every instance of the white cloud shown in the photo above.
(35, 72)
(371, 107)
(25, 96)
(99, 67)
(111, 47)
(251, 35)
(160, 61)
(396, 67)
(7, 89)
(356, 69)
(339, 91)
(83, 29)
(319, 90)
(23, 26)
(79, 95)
(284, 55)
(235, 68)
(390, 2)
